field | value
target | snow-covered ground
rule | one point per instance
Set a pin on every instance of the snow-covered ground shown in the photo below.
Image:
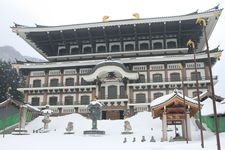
(142, 124)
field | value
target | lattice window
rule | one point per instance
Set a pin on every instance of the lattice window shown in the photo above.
(54, 72)
(35, 101)
(53, 100)
(139, 68)
(37, 73)
(85, 70)
(70, 71)
(68, 100)
(36, 83)
(156, 67)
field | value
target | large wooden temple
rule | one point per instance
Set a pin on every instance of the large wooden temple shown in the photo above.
(126, 64)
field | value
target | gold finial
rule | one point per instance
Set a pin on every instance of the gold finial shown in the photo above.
(191, 44)
(217, 14)
(201, 21)
(218, 55)
(14, 30)
(136, 15)
(105, 19)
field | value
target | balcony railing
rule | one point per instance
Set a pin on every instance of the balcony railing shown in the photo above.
(202, 78)
(113, 97)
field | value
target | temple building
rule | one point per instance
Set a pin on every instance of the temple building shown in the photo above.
(125, 64)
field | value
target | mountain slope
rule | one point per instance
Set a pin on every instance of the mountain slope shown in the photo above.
(10, 54)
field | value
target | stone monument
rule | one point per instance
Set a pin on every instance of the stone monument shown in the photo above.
(46, 120)
(95, 113)
(69, 128)
(127, 128)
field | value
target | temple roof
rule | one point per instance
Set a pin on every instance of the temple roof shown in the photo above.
(48, 39)
(110, 70)
(175, 103)
(163, 99)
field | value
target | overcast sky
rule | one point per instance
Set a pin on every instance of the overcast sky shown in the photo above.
(62, 12)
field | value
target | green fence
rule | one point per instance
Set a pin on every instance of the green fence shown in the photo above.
(209, 121)
(13, 119)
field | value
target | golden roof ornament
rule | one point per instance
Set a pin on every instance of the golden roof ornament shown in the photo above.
(201, 21)
(105, 19)
(136, 15)
(191, 44)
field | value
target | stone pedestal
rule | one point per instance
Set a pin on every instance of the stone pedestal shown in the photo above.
(20, 131)
(94, 132)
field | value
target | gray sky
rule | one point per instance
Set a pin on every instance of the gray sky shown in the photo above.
(61, 12)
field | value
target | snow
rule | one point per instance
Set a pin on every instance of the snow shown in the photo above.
(142, 123)
(47, 111)
(207, 109)
(165, 98)
(95, 102)
(32, 107)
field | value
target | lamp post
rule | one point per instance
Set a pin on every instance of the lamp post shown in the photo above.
(191, 45)
(202, 22)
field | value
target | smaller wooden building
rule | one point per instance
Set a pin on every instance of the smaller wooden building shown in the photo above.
(175, 109)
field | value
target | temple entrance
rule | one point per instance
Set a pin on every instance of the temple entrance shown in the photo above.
(112, 114)
(175, 111)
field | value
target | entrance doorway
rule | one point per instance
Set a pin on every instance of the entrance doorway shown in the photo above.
(113, 114)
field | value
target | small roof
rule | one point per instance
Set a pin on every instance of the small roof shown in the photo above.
(166, 98)
(173, 101)
(110, 69)
(19, 104)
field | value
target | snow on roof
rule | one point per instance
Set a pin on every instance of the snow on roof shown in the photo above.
(207, 109)
(32, 107)
(222, 102)
(47, 111)
(165, 98)
(95, 102)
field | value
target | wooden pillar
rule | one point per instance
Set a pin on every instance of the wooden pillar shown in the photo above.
(164, 126)
(23, 111)
(188, 126)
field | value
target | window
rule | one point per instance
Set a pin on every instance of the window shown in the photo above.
(75, 51)
(35, 101)
(62, 51)
(175, 76)
(53, 100)
(157, 95)
(54, 82)
(157, 77)
(69, 82)
(144, 46)
(102, 93)
(85, 100)
(101, 49)
(87, 50)
(142, 78)
(157, 45)
(123, 92)
(112, 92)
(115, 48)
(193, 76)
(68, 100)
(129, 47)
(140, 98)
(37, 83)
(171, 44)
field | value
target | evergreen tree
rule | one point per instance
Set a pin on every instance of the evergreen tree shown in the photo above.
(10, 80)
